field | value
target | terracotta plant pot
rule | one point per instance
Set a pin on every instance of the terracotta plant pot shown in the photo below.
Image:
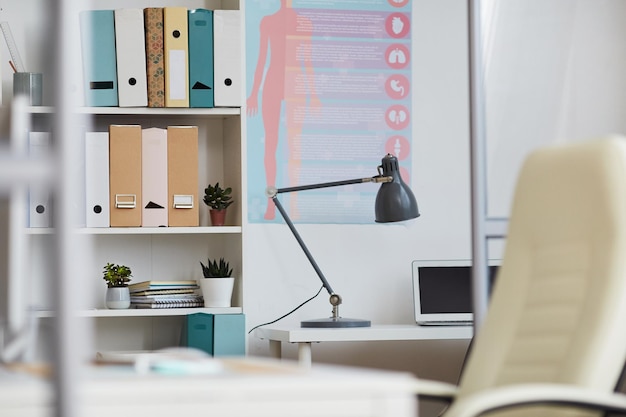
(218, 217)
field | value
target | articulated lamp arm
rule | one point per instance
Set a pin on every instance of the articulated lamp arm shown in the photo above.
(395, 204)
(304, 248)
(272, 192)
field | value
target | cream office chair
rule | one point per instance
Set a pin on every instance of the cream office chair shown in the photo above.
(555, 331)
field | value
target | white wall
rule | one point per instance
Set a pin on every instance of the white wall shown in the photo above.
(370, 265)
(555, 71)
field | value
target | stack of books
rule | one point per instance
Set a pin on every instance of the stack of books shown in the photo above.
(165, 294)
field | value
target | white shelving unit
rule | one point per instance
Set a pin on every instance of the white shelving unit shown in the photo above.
(147, 312)
(166, 253)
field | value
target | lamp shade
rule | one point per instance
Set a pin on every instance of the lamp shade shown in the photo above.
(395, 201)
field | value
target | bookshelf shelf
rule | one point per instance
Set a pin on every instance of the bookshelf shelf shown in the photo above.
(133, 312)
(145, 111)
(213, 230)
(216, 111)
(163, 230)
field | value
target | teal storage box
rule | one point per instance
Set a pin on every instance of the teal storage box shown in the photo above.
(200, 23)
(217, 334)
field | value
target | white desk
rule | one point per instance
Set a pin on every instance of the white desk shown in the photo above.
(249, 387)
(305, 336)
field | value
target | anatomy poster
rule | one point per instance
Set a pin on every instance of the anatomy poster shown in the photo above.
(328, 95)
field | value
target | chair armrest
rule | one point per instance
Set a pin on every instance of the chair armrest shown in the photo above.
(438, 390)
(537, 394)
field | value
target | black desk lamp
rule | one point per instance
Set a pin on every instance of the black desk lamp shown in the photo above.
(394, 203)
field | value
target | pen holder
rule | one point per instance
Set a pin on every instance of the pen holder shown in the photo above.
(29, 84)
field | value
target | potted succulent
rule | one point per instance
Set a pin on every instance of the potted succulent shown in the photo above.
(218, 199)
(117, 278)
(217, 284)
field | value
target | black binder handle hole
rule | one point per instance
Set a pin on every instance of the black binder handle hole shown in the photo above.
(97, 209)
(132, 81)
(176, 33)
(40, 209)
(228, 82)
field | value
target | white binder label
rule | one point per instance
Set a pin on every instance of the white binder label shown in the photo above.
(178, 65)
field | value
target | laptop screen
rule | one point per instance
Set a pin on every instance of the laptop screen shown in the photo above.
(445, 289)
(442, 291)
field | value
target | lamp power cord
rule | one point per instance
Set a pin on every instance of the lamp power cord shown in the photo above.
(289, 313)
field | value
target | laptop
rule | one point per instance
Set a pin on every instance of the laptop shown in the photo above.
(442, 291)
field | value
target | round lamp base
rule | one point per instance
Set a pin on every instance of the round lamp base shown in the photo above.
(335, 322)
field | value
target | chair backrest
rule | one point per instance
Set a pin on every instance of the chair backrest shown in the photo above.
(558, 307)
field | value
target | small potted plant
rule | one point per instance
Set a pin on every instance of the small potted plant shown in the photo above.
(217, 284)
(117, 278)
(218, 199)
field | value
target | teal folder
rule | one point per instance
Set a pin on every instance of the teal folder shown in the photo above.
(217, 334)
(200, 58)
(97, 30)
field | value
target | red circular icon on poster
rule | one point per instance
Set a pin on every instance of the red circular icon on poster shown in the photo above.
(398, 3)
(398, 146)
(397, 117)
(397, 86)
(397, 56)
(398, 25)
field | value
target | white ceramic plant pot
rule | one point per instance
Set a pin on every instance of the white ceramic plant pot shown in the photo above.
(117, 298)
(217, 292)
